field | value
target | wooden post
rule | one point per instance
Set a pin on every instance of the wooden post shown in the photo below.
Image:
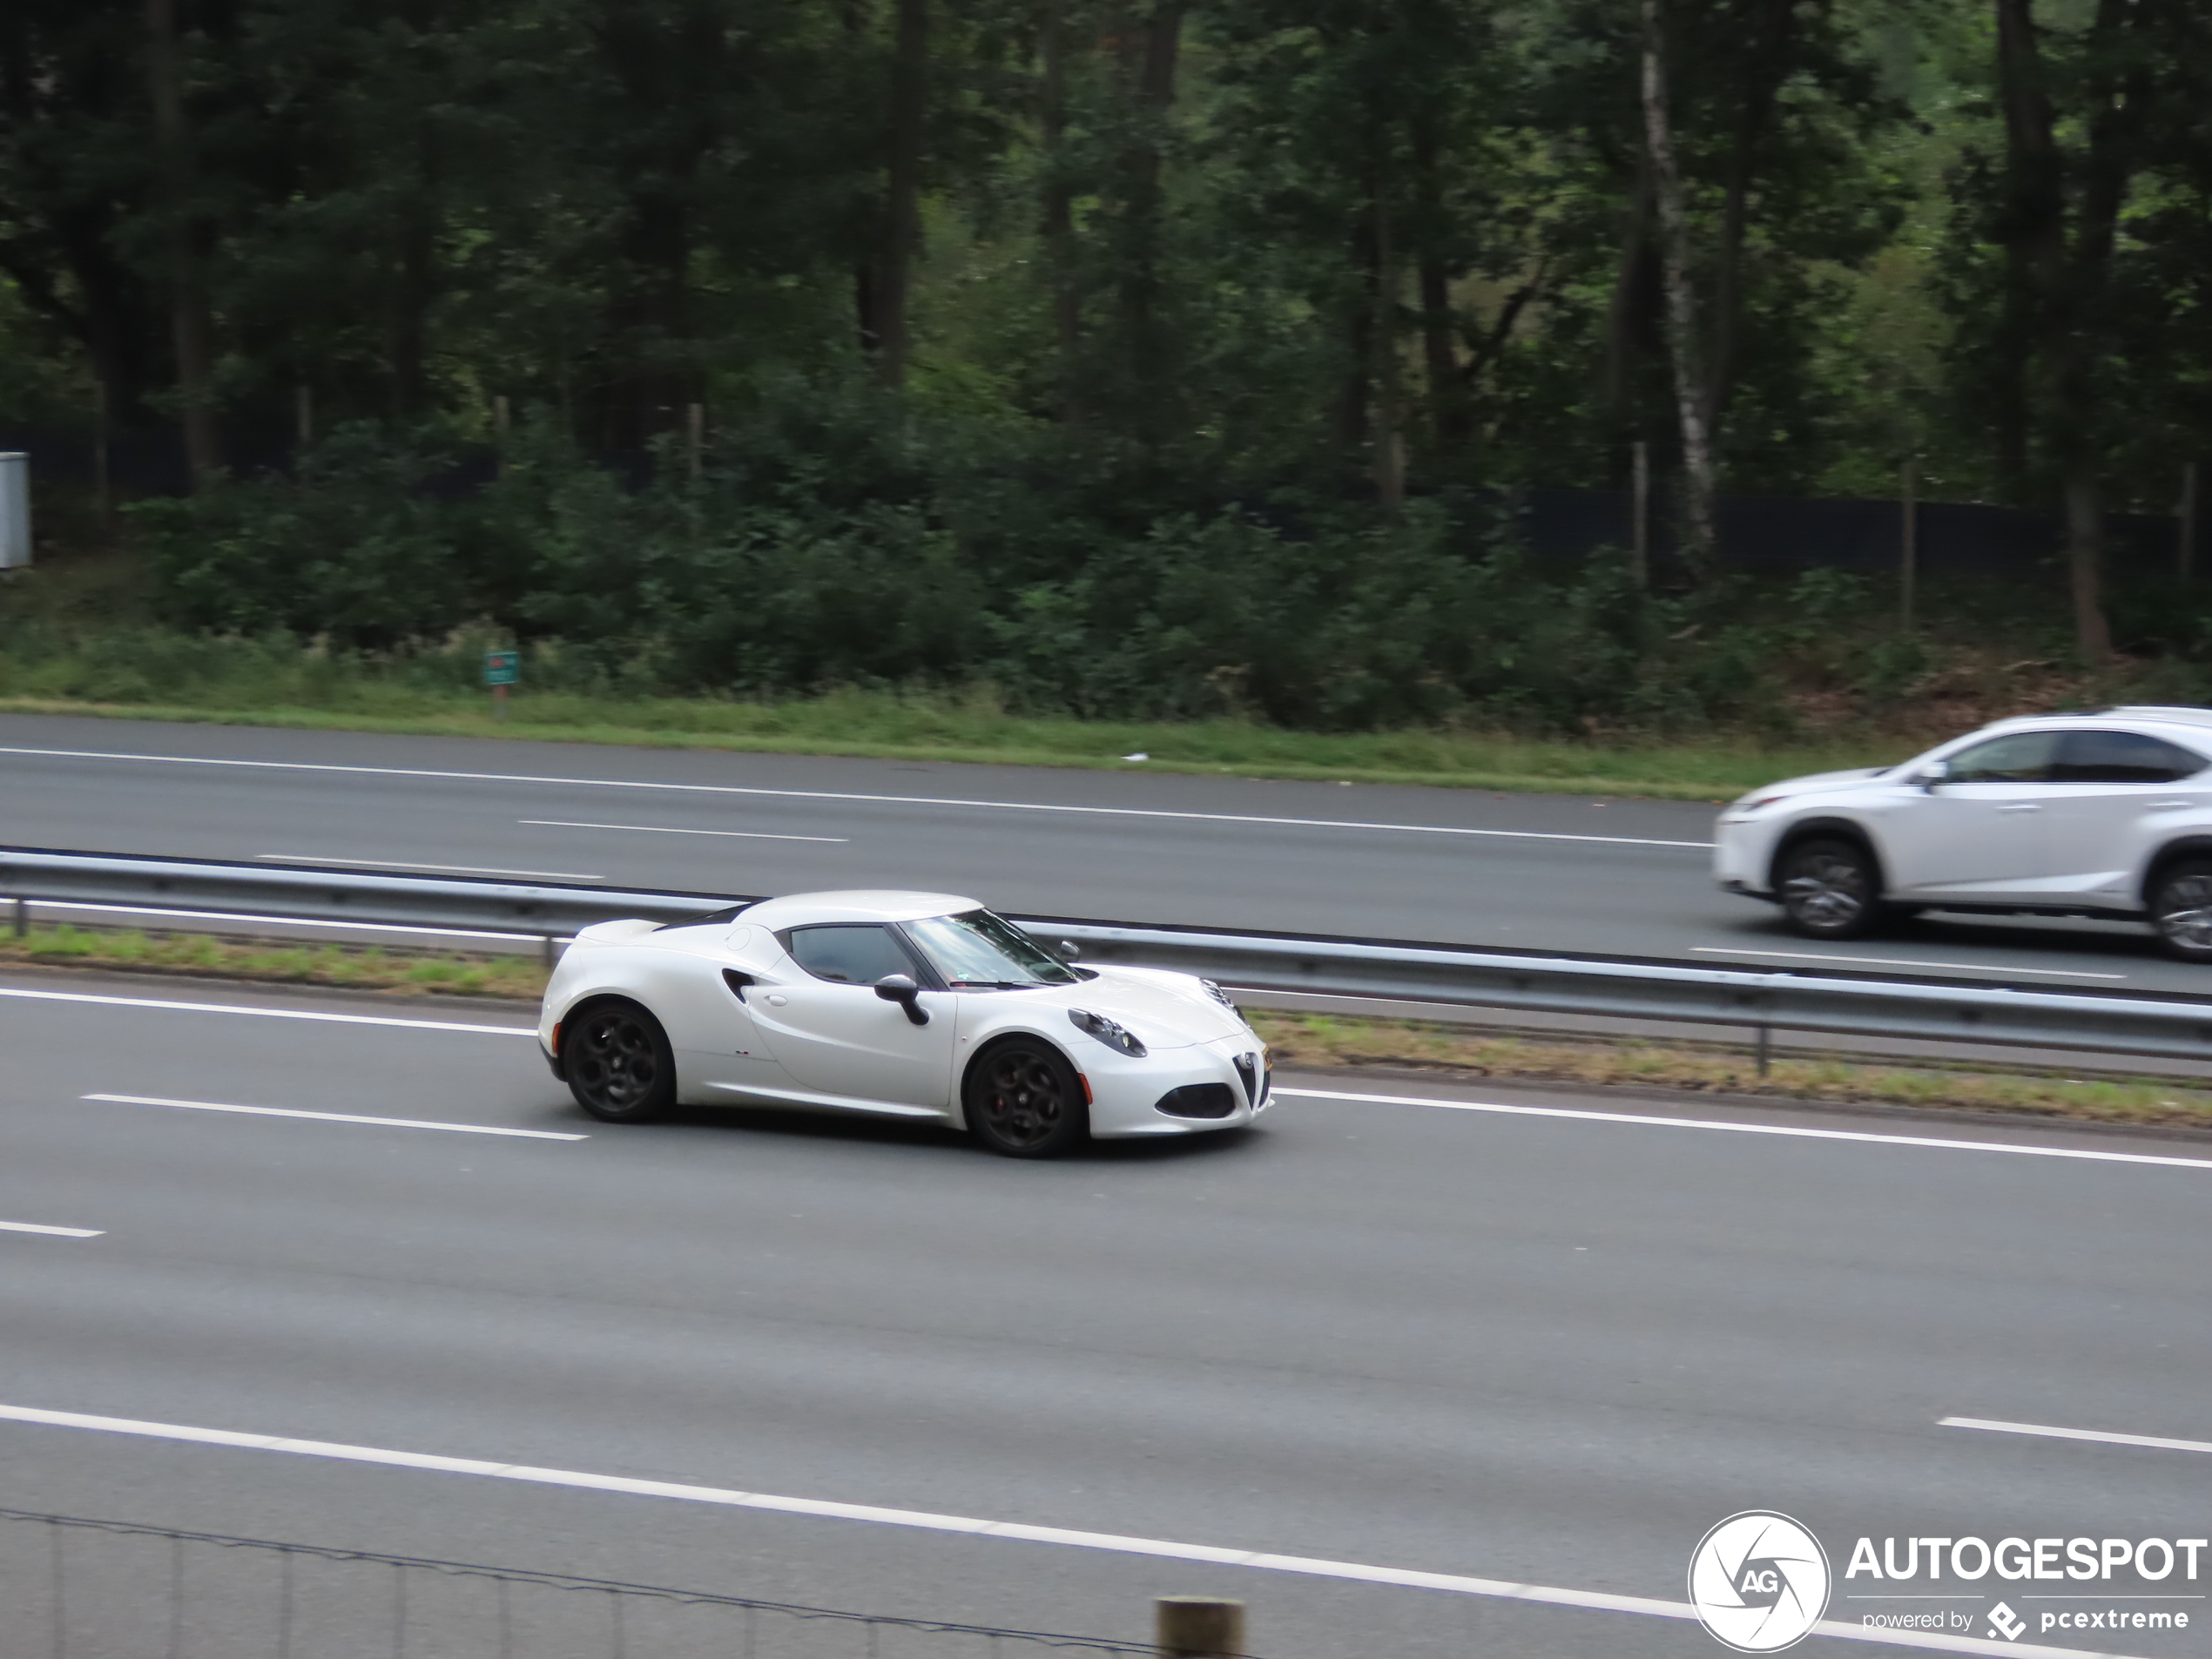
(303, 414)
(501, 421)
(695, 436)
(1908, 564)
(1641, 530)
(1199, 1626)
(2185, 534)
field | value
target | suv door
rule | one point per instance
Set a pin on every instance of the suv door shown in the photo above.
(2104, 787)
(836, 1036)
(1978, 834)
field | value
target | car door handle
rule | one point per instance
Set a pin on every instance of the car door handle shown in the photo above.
(2172, 805)
(2021, 807)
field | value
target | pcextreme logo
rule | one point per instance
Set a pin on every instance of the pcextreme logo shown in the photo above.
(1759, 1582)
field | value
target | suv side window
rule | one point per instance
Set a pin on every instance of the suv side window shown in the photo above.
(849, 953)
(2121, 758)
(2016, 757)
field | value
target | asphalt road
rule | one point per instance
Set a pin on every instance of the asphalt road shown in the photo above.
(1564, 872)
(1539, 1348)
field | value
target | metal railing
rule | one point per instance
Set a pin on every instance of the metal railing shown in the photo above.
(1762, 1000)
(73, 1586)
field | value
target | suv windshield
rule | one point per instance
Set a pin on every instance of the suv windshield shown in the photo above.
(979, 951)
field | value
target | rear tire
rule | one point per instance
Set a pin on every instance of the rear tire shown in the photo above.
(620, 1067)
(1830, 888)
(2180, 908)
(1024, 1100)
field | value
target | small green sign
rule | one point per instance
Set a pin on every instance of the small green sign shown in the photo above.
(502, 667)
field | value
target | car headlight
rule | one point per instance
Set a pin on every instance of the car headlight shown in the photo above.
(1218, 994)
(1752, 803)
(1110, 1032)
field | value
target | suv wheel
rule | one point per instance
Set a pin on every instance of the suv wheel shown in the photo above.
(1829, 889)
(2180, 908)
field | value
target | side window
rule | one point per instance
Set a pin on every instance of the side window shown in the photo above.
(2016, 757)
(2121, 758)
(850, 953)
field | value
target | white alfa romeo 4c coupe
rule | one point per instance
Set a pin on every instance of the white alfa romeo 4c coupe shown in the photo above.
(919, 1005)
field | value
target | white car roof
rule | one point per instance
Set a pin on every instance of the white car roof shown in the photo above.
(866, 904)
(2195, 724)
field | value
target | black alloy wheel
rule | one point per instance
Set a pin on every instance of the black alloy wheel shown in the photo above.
(1024, 1100)
(619, 1065)
(2180, 908)
(1829, 889)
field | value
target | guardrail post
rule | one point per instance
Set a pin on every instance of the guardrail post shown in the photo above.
(552, 952)
(1766, 1036)
(22, 918)
(1199, 1626)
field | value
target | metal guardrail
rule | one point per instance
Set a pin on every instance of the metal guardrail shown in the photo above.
(95, 1588)
(1763, 1000)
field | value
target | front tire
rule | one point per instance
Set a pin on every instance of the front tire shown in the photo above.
(620, 1067)
(1024, 1100)
(1830, 888)
(2180, 908)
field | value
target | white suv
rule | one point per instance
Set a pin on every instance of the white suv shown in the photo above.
(2103, 814)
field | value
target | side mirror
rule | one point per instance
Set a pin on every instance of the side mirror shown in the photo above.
(1068, 951)
(902, 989)
(1934, 772)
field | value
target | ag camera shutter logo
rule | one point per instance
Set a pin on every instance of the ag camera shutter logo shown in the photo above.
(1759, 1582)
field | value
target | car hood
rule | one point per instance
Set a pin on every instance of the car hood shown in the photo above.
(1166, 1010)
(1814, 783)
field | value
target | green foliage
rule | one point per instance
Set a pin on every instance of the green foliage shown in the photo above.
(843, 553)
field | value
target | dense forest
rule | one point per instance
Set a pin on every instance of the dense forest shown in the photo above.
(1155, 355)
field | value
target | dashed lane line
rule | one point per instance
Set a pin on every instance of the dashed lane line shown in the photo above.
(2156, 1442)
(1792, 1130)
(325, 1016)
(663, 829)
(337, 1118)
(402, 864)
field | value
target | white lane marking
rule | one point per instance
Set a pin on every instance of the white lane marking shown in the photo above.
(403, 864)
(1751, 1129)
(268, 1013)
(2157, 1443)
(58, 1232)
(662, 829)
(923, 1519)
(1896, 961)
(336, 1117)
(823, 794)
(39, 906)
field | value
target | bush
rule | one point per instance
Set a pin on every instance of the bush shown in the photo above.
(825, 546)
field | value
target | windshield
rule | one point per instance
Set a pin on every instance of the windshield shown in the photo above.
(979, 951)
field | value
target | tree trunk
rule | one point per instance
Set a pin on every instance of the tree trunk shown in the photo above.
(1682, 303)
(1153, 58)
(1059, 221)
(191, 328)
(1628, 329)
(1755, 102)
(1353, 425)
(1389, 465)
(2070, 284)
(902, 196)
(1448, 404)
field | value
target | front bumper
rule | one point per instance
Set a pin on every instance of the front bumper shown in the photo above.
(1126, 1095)
(1742, 851)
